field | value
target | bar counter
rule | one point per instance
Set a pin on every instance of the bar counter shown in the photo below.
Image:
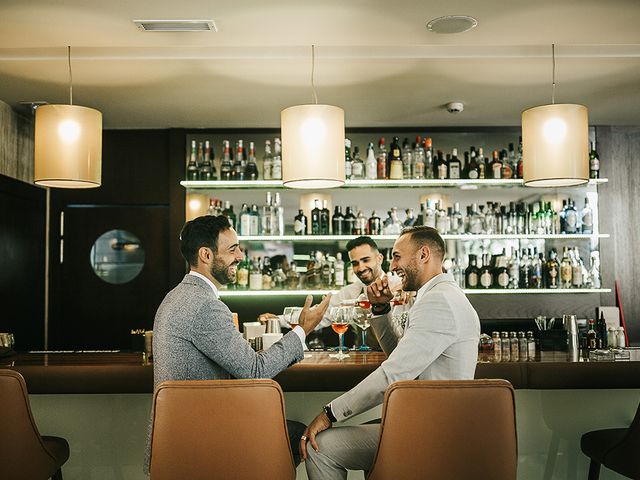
(82, 373)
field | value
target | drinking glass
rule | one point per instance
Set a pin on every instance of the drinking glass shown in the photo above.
(340, 317)
(361, 319)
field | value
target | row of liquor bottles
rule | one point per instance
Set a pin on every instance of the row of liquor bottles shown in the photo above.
(527, 269)
(507, 347)
(493, 218)
(409, 161)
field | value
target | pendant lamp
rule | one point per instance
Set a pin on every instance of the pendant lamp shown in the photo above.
(312, 143)
(555, 143)
(68, 144)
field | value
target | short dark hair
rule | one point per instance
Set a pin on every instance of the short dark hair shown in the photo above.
(423, 235)
(356, 242)
(201, 232)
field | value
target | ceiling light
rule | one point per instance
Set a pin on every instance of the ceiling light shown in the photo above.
(312, 143)
(68, 144)
(452, 24)
(555, 140)
(176, 25)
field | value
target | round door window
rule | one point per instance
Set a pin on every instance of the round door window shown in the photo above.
(117, 256)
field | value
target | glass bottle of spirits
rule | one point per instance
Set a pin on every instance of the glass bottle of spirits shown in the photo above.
(475, 220)
(267, 161)
(565, 269)
(594, 269)
(497, 346)
(407, 160)
(361, 224)
(211, 209)
(594, 162)
(192, 164)
(442, 168)
(429, 167)
(348, 161)
(339, 271)
(531, 347)
(315, 218)
(429, 219)
(525, 270)
(473, 170)
(577, 268)
(395, 160)
(337, 222)
(495, 166)
(410, 219)
(349, 222)
(471, 274)
(371, 164)
(229, 213)
(225, 163)
(267, 274)
(486, 272)
(507, 170)
(502, 272)
(277, 215)
(325, 221)
(457, 222)
(350, 276)
(266, 218)
(587, 217)
(326, 272)
(255, 275)
(506, 346)
(419, 164)
(443, 219)
(537, 263)
(237, 173)
(592, 336)
(242, 275)
(375, 227)
(255, 220)
(276, 166)
(482, 165)
(570, 218)
(251, 169)
(300, 223)
(206, 170)
(293, 277)
(552, 272)
(519, 163)
(512, 160)
(514, 347)
(383, 167)
(357, 165)
(455, 166)
(245, 220)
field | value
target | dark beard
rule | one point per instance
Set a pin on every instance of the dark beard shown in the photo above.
(411, 279)
(220, 272)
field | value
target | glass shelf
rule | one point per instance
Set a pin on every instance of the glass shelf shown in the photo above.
(277, 184)
(515, 291)
(338, 238)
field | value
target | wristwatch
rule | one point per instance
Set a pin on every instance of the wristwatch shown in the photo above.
(380, 308)
(329, 413)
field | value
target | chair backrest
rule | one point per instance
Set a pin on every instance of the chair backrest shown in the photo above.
(447, 430)
(623, 458)
(22, 454)
(220, 429)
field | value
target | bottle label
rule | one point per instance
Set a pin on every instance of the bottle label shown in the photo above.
(348, 169)
(255, 281)
(473, 174)
(357, 170)
(486, 279)
(276, 171)
(242, 277)
(454, 171)
(472, 280)
(418, 170)
(299, 227)
(565, 273)
(503, 279)
(571, 221)
(339, 274)
(396, 170)
(382, 169)
(442, 171)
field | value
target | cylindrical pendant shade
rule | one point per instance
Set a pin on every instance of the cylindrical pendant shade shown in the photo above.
(68, 146)
(312, 146)
(555, 145)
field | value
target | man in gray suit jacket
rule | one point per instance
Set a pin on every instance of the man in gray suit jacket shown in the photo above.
(194, 337)
(439, 342)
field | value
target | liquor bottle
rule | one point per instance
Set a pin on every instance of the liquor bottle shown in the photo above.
(192, 164)
(525, 270)
(255, 220)
(443, 219)
(482, 165)
(495, 166)
(395, 160)
(325, 221)
(497, 346)
(407, 160)
(577, 268)
(225, 163)
(276, 166)
(476, 222)
(519, 162)
(489, 222)
(471, 274)
(601, 330)
(371, 164)
(410, 219)
(419, 163)
(315, 218)
(507, 170)
(266, 218)
(349, 222)
(357, 165)
(391, 224)
(457, 222)
(587, 217)
(251, 169)
(337, 222)
(429, 219)
(267, 274)
(326, 275)
(505, 344)
(486, 272)
(356, 302)
(229, 213)
(594, 269)
(242, 274)
(211, 209)
(267, 161)
(361, 224)
(565, 269)
(537, 267)
(594, 162)
(237, 173)
(454, 165)
(293, 277)
(245, 220)
(570, 218)
(255, 275)
(206, 170)
(300, 223)
(348, 161)
(473, 170)
(512, 160)
(429, 167)
(383, 168)
(552, 273)
(502, 272)
(350, 276)
(277, 216)
(514, 346)
(339, 271)
(375, 227)
(592, 336)
(531, 347)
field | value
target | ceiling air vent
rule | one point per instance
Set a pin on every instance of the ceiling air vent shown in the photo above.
(176, 25)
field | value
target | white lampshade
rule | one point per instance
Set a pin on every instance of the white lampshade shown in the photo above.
(555, 145)
(312, 146)
(68, 146)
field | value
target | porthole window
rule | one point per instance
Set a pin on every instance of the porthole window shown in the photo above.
(117, 256)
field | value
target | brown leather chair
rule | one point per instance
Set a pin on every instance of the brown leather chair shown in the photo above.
(618, 449)
(24, 454)
(447, 430)
(220, 429)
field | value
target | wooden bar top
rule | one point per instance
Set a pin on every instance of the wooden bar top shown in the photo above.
(121, 372)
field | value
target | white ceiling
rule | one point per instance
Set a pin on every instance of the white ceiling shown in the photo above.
(374, 58)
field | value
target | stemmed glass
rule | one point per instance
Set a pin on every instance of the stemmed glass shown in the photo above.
(340, 324)
(361, 319)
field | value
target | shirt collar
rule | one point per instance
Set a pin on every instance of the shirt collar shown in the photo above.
(441, 277)
(209, 282)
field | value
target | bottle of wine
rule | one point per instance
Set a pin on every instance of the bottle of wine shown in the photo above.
(337, 222)
(300, 223)
(251, 170)
(315, 218)
(395, 160)
(349, 222)
(225, 164)
(594, 162)
(192, 165)
(324, 219)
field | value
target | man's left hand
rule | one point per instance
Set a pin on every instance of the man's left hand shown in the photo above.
(319, 424)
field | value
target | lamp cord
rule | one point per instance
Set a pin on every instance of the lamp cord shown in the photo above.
(70, 75)
(313, 63)
(553, 84)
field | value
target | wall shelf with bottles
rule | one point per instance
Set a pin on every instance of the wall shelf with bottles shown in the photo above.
(275, 184)
(345, 238)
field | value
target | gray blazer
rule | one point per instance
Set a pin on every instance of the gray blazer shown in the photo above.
(440, 342)
(194, 339)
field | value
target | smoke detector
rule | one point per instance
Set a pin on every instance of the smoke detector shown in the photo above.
(452, 24)
(454, 107)
(176, 25)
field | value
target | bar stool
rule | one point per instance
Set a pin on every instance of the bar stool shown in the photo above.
(447, 430)
(204, 429)
(25, 455)
(615, 448)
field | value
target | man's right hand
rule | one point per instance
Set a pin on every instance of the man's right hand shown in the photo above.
(379, 292)
(310, 316)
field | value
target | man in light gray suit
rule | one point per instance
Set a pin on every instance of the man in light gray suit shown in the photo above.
(440, 342)
(194, 337)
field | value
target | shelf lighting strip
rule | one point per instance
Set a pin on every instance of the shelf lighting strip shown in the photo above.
(337, 238)
(283, 293)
